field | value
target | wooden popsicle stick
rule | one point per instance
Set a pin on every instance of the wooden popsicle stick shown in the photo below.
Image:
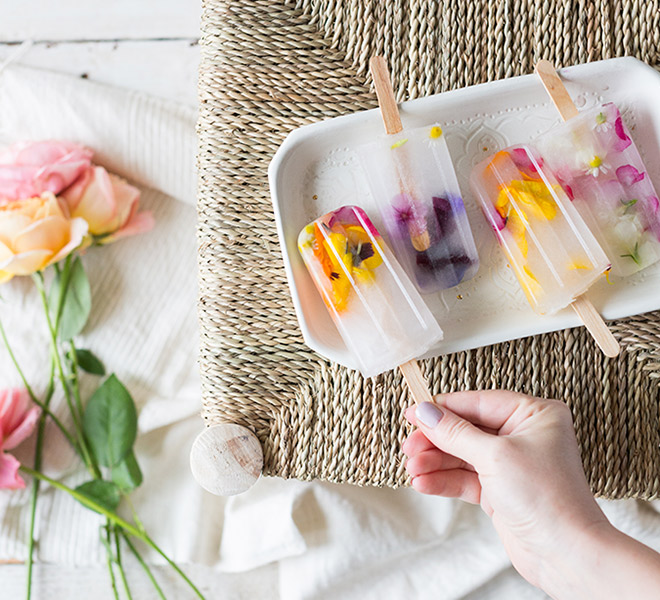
(390, 113)
(385, 94)
(596, 326)
(417, 385)
(556, 90)
(588, 314)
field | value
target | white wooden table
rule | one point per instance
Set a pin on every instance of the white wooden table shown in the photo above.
(149, 45)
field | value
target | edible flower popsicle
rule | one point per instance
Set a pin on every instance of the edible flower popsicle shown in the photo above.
(413, 182)
(551, 250)
(598, 165)
(380, 315)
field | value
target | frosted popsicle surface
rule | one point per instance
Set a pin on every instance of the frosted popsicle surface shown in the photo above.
(550, 248)
(595, 160)
(413, 182)
(380, 315)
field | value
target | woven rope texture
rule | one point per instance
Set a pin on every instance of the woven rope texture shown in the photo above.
(269, 66)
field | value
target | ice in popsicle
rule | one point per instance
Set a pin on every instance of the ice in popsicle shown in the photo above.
(414, 185)
(380, 315)
(550, 248)
(596, 162)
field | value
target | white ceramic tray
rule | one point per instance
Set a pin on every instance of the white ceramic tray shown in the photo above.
(316, 170)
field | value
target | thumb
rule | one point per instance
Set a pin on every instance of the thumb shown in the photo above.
(453, 434)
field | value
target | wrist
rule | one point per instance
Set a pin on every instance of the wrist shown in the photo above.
(572, 569)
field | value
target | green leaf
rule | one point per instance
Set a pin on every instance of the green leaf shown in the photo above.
(110, 422)
(89, 362)
(77, 301)
(127, 474)
(104, 493)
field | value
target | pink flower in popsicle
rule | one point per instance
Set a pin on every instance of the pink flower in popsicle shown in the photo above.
(355, 216)
(17, 420)
(497, 221)
(524, 159)
(628, 175)
(622, 138)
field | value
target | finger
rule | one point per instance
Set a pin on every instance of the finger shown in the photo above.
(456, 483)
(416, 442)
(453, 434)
(490, 408)
(410, 417)
(409, 413)
(434, 460)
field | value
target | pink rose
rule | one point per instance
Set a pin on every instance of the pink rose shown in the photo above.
(17, 420)
(31, 168)
(108, 204)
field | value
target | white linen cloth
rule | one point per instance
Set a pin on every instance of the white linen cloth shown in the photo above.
(282, 539)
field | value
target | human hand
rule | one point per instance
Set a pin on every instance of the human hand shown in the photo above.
(517, 457)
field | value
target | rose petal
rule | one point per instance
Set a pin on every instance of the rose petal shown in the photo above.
(14, 403)
(23, 430)
(97, 205)
(78, 230)
(126, 198)
(27, 263)
(11, 222)
(51, 233)
(9, 477)
(628, 175)
(139, 223)
(623, 140)
(524, 159)
(31, 168)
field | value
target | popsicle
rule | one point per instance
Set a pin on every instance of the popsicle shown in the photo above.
(598, 165)
(413, 182)
(549, 247)
(380, 315)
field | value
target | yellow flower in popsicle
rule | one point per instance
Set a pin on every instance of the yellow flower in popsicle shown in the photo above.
(345, 255)
(517, 225)
(530, 284)
(536, 197)
(366, 255)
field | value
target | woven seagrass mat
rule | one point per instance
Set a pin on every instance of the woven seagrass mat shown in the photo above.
(269, 66)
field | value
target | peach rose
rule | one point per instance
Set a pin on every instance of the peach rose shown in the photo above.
(109, 205)
(31, 168)
(35, 233)
(17, 420)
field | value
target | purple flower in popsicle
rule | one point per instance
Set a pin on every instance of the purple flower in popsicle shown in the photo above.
(654, 204)
(623, 139)
(445, 210)
(408, 213)
(628, 175)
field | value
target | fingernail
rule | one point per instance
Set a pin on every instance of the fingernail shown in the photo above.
(429, 414)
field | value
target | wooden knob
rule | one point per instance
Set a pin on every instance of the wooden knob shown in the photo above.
(226, 459)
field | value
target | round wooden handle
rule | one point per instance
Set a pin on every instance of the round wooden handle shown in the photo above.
(226, 459)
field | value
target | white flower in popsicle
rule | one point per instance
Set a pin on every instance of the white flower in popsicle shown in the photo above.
(597, 166)
(602, 124)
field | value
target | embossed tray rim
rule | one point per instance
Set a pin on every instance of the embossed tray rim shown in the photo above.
(493, 311)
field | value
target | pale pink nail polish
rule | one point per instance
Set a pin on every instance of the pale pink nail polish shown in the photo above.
(428, 414)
